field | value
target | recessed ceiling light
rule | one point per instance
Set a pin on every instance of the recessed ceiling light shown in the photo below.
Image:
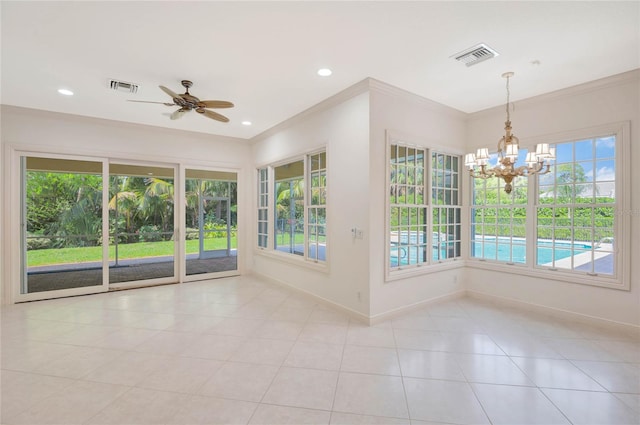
(246, 122)
(324, 72)
(65, 92)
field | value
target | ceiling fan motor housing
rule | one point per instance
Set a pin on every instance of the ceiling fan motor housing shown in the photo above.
(188, 102)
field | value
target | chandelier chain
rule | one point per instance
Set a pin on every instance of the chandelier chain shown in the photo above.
(508, 96)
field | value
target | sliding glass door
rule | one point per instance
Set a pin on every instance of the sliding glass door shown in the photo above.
(88, 224)
(211, 222)
(141, 223)
(62, 222)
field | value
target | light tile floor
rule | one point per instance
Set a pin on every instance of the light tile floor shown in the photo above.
(242, 351)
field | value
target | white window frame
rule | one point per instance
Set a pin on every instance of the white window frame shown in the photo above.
(321, 189)
(446, 208)
(621, 277)
(505, 202)
(270, 251)
(429, 266)
(263, 206)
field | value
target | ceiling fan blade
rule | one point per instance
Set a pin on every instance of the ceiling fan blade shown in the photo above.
(148, 101)
(169, 92)
(178, 114)
(213, 115)
(219, 104)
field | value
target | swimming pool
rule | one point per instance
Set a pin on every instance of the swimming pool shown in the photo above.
(411, 247)
(501, 249)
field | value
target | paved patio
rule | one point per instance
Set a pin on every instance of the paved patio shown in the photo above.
(53, 279)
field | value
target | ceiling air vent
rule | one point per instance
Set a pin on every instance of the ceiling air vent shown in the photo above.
(123, 86)
(475, 54)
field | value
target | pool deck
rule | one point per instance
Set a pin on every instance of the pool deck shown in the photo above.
(603, 256)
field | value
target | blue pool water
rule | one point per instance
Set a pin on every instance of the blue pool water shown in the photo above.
(403, 255)
(494, 249)
(499, 249)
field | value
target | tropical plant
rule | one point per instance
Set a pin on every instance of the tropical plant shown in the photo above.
(156, 204)
(65, 208)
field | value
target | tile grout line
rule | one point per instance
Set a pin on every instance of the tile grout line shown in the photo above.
(258, 404)
(404, 389)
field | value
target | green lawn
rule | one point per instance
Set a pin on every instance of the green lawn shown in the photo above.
(283, 239)
(43, 257)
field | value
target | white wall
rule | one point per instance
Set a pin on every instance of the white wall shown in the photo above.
(27, 129)
(341, 125)
(422, 122)
(597, 103)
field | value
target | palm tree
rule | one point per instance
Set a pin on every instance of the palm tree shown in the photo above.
(83, 220)
(289, 194)
(125, 201)
(157, 202)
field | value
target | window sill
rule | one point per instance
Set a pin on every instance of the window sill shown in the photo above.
(399, 274)
(557, 275)
(296, 260)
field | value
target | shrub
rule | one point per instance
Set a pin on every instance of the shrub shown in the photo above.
(192, 234)
(150, 233)
(38, 243)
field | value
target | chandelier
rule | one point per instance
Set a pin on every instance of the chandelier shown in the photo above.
(537, 161)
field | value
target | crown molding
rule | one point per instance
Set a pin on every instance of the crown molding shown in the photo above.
(422, 102)
(7, 109)
(577, 90)
(367, 85)
(340, 97)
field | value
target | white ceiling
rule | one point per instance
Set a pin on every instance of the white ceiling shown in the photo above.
(263, 56)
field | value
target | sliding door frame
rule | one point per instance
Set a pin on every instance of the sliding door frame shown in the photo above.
(177, 234)
(14, 243)
(183, 215)
(17, 232)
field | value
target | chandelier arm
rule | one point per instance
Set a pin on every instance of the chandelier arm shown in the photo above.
(483, 173)
(533, 169)
(538, 168)
(523, 170)
(502, 144)
(547, 170)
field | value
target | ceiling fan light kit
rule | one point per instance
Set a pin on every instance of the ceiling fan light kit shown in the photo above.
(188, 102)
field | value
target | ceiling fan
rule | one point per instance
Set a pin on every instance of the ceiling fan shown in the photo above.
(188, 102)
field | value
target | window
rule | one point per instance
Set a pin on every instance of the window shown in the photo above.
(316, 207)
(413, 240)
(576, 208)
(263, 207)
(445, 199)
(408, 221)
(289, 208)
(567, 224)
(498, 219)
(299, 207)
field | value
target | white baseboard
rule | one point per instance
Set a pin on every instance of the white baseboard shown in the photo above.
(631, 329)
(360, 317)
(378, 318)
